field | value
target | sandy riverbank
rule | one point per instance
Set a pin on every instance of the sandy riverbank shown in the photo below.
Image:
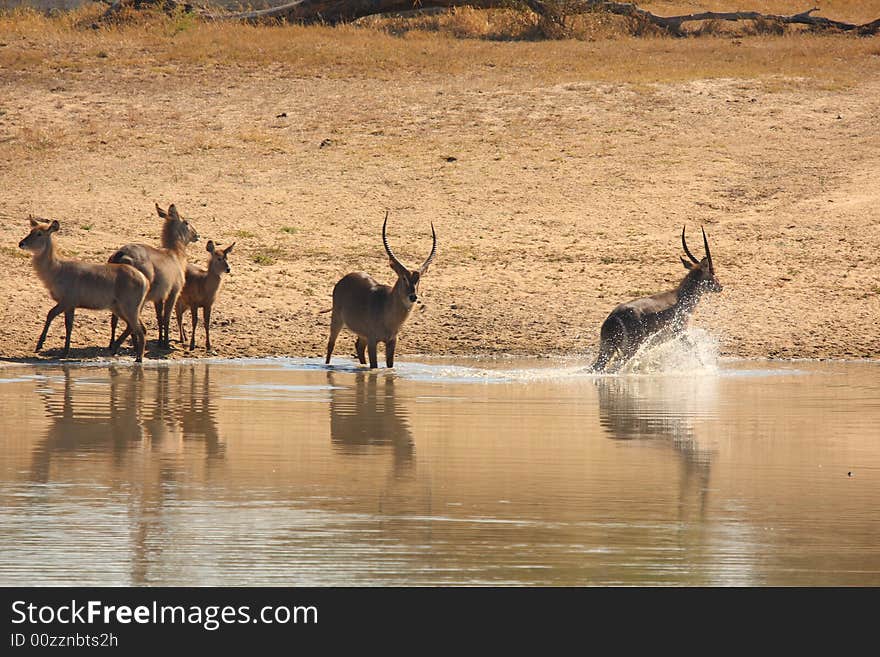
(558, 186)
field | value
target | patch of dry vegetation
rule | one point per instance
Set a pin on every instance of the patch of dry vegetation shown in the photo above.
(71, 42)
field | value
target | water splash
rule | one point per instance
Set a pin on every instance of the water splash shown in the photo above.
(693, 352)
(465, 374)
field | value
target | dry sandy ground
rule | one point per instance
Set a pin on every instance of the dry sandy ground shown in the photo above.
(554, 198)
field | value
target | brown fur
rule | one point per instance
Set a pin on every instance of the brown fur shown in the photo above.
(74, 284)
(632, 323)
(164, 268)
(375, 312)
(200, 291)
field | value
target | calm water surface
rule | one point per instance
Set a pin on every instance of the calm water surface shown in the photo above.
(280, 472)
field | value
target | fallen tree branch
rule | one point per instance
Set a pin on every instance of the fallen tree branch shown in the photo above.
(343, 11)
(340, 11)
(672, 24)
(168, 6)
(281, 12)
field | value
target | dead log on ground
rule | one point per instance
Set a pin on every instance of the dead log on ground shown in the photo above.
(342, 11)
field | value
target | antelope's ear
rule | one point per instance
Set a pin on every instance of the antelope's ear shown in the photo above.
(161, 212)
(228, 249)
(209, 247)
(399, 269)
(687, 264)
(34, 222)
(54, 226)
(172, 212)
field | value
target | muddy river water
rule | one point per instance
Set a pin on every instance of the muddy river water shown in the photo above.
(487, 472)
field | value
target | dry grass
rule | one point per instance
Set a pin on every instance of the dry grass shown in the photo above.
(36, 45)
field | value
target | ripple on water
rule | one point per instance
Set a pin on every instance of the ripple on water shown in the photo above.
(201, 473)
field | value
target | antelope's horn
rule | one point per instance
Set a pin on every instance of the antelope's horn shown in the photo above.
(433, 251)
(385, 242)
(706, 245)
(686, 249)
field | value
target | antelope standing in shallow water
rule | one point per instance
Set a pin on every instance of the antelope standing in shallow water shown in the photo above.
(164, 268)
(375, 312)
(200, 291)
(630, 324)
(74, 284)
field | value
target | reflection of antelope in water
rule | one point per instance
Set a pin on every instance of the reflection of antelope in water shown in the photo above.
(196, 413)
(82, 427)
(631, 324)
(157, 405)
(662, 410)
(128, 414)
(368, 418)
(375, 312)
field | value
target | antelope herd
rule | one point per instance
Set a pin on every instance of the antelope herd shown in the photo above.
(374, 312)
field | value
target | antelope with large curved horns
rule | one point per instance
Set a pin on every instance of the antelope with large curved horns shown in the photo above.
(630, 324)
(375, 312)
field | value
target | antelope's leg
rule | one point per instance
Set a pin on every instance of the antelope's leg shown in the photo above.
(68, 329)
(115, 346)
(371, 351)
(360, 348)
(166, 318)
(159, 306)
(389, 352)
(194, 322)
(52, 314)
(179, 309)
(207, 312)
(139, 337)
(625, 354)
(114, 320)
(606, 352)
(335, 328)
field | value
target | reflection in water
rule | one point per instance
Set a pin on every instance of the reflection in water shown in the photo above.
(222, 473)
(196, 412)
(95, 423)
(117, 414)
(663, 410)
(118, 417)
(369, 416)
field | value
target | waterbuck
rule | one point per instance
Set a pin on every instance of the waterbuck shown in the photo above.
(630, 324)
(200, 291)
(164, 268)
(74, 284)
(375, 312)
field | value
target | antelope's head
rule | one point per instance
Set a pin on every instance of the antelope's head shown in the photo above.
(176, 230)
(218, 263)
(408, 279)
(701, 272)
(40, 236)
